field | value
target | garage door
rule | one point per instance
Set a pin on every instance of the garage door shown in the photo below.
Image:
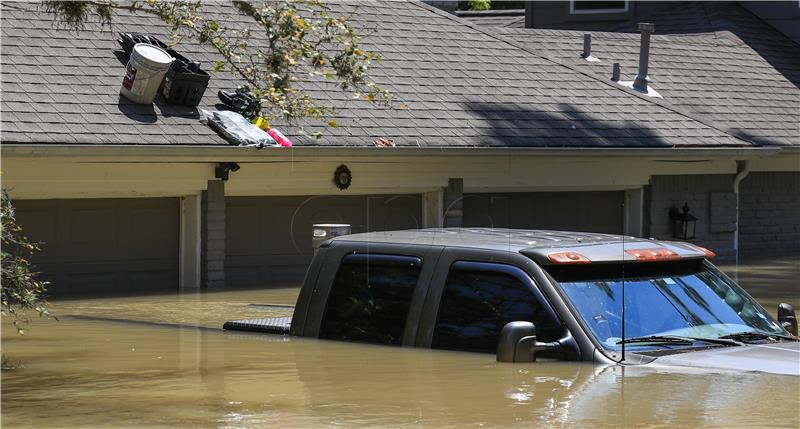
(572, 211)
(104, 246)
(268, 241)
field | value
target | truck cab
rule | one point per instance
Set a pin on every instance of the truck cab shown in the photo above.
(528, 294)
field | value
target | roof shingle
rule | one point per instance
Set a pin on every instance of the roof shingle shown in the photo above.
(748, 88)
(63, 87)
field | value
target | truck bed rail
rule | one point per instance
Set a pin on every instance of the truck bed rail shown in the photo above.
(271, 325)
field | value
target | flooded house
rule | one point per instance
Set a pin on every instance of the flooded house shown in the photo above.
(653, 131)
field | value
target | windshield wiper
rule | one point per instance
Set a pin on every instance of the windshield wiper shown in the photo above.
(720, 341)
(661, 339)
(755, 336)
(675, 339)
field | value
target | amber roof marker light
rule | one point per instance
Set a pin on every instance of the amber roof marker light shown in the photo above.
(657, 254)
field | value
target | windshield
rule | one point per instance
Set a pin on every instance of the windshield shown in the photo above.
(697, 303)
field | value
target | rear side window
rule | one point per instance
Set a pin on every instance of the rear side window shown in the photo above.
(477, 304)
(370, 298)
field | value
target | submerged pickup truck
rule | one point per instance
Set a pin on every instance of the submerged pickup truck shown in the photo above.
(528, 294)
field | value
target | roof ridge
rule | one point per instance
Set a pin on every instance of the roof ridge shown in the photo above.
(491, 12)
(618, 35)
(628, 91)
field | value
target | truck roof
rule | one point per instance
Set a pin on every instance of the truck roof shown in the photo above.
(537, 244)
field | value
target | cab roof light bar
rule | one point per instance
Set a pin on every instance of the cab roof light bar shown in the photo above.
(568, 258)
(657, 254)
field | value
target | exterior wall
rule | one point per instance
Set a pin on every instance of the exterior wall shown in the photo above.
(36, 173)
(148, 172)
(769, 216)
(711, 200)
(454, 203)
(191, 242)
(556, 15)
(433, 209)
(784, 16)
(213, 235)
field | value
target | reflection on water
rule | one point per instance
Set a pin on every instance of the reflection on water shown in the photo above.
(99, 374)
(192, 309)
(91, 373)
(770, 281)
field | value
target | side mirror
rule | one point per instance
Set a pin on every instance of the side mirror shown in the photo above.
(786, 317)
(517, 343)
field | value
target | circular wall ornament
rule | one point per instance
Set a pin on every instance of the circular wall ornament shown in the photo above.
(342, 177)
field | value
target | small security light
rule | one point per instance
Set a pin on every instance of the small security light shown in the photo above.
(223, 169)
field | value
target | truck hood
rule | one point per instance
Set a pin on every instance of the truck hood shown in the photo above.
(778, 358)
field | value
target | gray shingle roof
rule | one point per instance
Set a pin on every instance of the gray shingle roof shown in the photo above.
(514, 18)
(728, 67)
(464, 87)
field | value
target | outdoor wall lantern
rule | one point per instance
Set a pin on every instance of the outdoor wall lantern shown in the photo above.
(223, 169)
(683, 222)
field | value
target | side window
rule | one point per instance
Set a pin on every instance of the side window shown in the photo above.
(479, 299)
(370, 298)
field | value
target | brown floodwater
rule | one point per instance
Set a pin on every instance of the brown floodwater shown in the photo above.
(163, 361)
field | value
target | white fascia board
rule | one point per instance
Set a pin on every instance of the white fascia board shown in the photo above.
(234, 153)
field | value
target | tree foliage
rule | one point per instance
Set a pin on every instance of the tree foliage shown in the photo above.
(21, 292)
(283, 41)
(474, 5)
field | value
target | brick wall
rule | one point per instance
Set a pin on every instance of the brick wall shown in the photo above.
(769, 215)
(711, 200)
(213, 233)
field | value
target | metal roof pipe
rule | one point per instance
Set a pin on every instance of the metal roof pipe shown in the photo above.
(615, 72)
(587, 48)
(640, 83)
(587, 45)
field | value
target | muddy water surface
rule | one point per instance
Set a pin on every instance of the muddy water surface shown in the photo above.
(163, 362)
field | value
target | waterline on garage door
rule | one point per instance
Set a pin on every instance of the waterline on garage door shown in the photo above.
(104, 245)
(268, 239)
(591, 211)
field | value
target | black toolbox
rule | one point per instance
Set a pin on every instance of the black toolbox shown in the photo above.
(182, 86)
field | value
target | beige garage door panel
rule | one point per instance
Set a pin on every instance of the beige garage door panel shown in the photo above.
(268, 239)
(104, 246)
(573, 211)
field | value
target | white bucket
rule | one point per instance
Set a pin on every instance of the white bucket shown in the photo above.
(144, 73)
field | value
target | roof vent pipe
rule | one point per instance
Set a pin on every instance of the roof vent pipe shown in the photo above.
(587, 48)
(587, 45)
(640, 83)
(615, 72)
